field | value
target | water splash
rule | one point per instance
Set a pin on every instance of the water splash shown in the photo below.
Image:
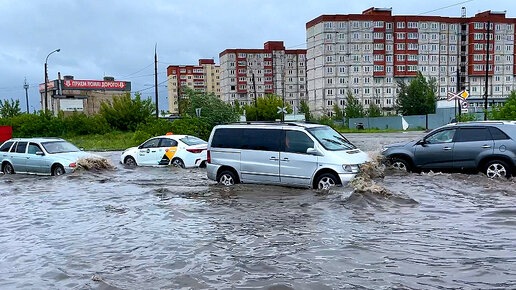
(95, 163)
(365, 182)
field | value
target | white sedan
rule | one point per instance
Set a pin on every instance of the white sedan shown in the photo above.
(180, 150)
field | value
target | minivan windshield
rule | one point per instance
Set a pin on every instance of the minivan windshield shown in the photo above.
(331, 139)
(59, 147)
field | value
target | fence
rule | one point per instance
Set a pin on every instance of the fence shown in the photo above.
(441, 117)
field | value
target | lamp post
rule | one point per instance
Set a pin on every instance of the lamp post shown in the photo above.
(46, 79)
(26, 87)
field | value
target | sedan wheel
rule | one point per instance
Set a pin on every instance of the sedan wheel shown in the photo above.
(8, 169)
(178, 163)
(497, 169)
(58, 170)
(129, 161)
(399, 166)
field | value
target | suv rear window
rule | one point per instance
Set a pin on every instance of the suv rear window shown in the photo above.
(473, 134)
(498, 134)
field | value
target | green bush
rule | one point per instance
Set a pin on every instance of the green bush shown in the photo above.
(187, 126)
(124, 113)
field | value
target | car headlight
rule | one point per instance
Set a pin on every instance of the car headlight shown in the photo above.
(350, 168)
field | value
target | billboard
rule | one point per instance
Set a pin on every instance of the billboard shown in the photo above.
(88, 84)
(71, 105)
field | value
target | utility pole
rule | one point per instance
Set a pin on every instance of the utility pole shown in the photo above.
(26, 87)
(156, 78)
(487, 68)
(457, 102)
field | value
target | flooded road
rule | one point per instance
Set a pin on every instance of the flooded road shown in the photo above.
(143, 228)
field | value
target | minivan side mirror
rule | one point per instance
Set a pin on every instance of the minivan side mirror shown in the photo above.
(312, 151)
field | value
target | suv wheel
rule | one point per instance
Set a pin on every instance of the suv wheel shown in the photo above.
(400, 164)
(227, 178)
(497, 169)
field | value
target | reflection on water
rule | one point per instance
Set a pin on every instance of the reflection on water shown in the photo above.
(166, 227)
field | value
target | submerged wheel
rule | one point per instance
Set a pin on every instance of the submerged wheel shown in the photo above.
(58, 170)
(8, 168)
(227, 178)
(400, 164)
(129, 161)
(326, 181)
(497, 169)
(177, 162)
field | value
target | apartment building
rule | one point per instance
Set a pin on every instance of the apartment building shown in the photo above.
(271, 70)
(368, 53)
(204, 77)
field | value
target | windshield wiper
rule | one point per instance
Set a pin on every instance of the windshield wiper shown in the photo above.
(332, 141)
(346, 141)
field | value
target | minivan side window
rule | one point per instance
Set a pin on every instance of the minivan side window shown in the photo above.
(21, 147)
(6, 146)
(498, 134)
(262, 139)
(473, 134)
(228, 138)
(297, 142)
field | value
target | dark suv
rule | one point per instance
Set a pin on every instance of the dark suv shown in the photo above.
(487, 146)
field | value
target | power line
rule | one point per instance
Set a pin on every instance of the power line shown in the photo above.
(137, 71)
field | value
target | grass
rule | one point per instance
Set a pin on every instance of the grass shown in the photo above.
(110, 141)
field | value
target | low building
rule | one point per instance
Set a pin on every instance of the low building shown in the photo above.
(70, 95)
(268, 70)
(204, 77)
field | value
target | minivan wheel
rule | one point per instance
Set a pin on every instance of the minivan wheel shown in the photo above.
(226, 178)
(497, 169)
(8, 168)
(326, 181)
(400, 164)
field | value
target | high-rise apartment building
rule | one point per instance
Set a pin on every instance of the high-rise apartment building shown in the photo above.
(368, 53)
(271, 70)
(203, 78)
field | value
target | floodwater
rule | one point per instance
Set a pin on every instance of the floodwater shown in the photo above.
(149, 228)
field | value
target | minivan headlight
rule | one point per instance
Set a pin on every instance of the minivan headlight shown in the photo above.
(350, 167)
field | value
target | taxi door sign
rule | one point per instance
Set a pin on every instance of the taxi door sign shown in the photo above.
(169, 154)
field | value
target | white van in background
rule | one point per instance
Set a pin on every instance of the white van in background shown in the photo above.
(293, 154)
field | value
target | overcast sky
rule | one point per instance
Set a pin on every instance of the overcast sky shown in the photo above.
(116, 38)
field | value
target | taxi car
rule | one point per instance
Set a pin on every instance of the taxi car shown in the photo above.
(183, 151)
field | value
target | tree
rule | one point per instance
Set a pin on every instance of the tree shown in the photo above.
(266, 109)
(305, 109)
(124, 113)
(418, 98)
(238, 108)
(337, 113)
(354, 108)
(374, 111)
(213, 109)
(507, 111)
(10, 108)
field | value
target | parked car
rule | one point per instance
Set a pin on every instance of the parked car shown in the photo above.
(180, 150)
(293, 154)
(487, 146)
(49, 156)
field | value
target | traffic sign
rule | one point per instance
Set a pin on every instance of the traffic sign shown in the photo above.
(282, 110)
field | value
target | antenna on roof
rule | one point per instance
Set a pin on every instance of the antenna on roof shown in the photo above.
(463, 12)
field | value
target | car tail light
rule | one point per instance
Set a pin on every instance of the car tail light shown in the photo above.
(208, 158)
(195, 150)
(72, 164)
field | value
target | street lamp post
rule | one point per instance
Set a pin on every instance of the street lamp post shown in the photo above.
(46, 79)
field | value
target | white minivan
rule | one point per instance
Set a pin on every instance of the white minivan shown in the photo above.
(293, 154)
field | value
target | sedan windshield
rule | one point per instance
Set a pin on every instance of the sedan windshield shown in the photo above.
(331, 139)
(191, 140)
(59, 147)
